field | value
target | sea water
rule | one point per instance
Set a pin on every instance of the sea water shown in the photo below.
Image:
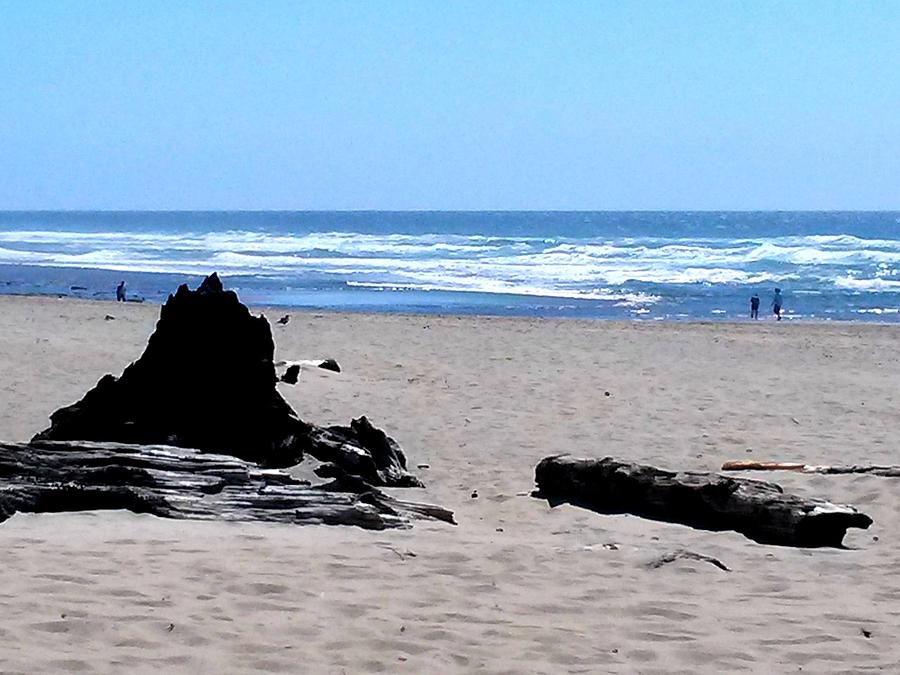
(639, 265)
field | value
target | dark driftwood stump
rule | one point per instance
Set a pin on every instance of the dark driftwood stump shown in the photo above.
(206, 380)
(758, 510)
(206, 384)
(170, 482)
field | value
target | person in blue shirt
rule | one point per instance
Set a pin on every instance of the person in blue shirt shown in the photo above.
(777, 302)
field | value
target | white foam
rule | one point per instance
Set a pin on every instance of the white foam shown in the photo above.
(620, 299)
(557, 267)
(876, 285)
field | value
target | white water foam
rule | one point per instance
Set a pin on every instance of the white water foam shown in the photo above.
(620, 299)
(879, 310)
(600, 269)
(877, 285)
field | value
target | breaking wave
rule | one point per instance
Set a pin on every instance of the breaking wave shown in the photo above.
(631, 270)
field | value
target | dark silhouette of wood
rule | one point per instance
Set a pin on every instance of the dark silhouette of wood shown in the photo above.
(885, 471)
(206, 380)
(330, 364)
(291, 375)
(171, 482)
(683, 554)
(760, 511)
(382, 463)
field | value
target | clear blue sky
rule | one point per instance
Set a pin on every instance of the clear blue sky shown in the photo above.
(449, 105)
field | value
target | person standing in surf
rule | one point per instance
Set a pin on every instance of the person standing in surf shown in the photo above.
(120, 292)
(777, 302)
(754, 306)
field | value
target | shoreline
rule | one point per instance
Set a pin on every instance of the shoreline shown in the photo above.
(336, 311)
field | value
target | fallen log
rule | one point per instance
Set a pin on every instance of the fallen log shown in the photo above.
(871, 469)
(760, 511)
(172, 482)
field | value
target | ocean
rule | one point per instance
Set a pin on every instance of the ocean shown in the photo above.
(617, 265)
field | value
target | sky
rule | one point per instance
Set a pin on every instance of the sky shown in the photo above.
(450, 105)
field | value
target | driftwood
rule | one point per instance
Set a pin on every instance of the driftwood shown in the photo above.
(871, 469)
(155, 439)
(206, 380)
(362, 450)
(294, 367)
(290, 375)
(682, 554)
(760, 511)
(171, 482)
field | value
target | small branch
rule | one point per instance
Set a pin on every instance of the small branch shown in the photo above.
(874, 470)
(686, 555)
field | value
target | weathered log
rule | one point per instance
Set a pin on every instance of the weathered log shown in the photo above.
(760, 511)
(886, 471)
(206, 380)
(171, 482)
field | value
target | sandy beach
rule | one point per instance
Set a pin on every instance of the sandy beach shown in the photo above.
(516, 587)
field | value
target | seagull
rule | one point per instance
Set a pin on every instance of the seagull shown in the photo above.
(283, 320)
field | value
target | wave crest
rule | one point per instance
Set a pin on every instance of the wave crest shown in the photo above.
(620, 269)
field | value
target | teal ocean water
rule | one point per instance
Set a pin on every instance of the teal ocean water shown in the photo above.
(640, 265)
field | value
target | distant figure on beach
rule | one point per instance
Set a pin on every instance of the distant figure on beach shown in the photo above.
(754, 306)
(120, 292)
(777, 301)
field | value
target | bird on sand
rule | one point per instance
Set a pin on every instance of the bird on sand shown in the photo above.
(283, 320)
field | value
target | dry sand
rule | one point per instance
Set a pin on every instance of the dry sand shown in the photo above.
(516, 587)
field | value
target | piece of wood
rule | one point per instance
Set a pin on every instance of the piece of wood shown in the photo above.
(751, 465)
(171, 482)
(682, 554)
(886, 471)
(760, 511)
